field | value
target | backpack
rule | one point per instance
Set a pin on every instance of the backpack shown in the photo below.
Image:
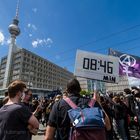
(87, 123)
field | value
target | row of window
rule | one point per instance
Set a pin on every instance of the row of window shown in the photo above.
(40, 62)
(30, 57)
(49, 81)
(3, 66)
(39, 69)
(17, 54)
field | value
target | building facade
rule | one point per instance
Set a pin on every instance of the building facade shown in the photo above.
(35, 71)
(116, 88)
(90, 85)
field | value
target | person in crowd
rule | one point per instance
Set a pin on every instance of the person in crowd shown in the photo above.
(137, 103)
(129, 101)
(107, 107)
(15, 119)
(35, 104)
(37, 109)
(120, 116)
(136, 93)
(57, 98)
(27, 99)
(49, 105)
(59, 121)
(44, 106)
(65, 94)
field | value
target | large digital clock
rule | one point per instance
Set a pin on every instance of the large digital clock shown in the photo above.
(97, 66)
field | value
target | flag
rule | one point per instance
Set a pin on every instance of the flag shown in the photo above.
(128, 64)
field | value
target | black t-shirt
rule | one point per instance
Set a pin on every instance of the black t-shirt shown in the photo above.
(29, 106)
(59, 117)
(119, 111)
(13, 122)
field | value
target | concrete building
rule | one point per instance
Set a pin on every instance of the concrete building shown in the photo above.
(89, 84)
(37, 72)
(116, 88)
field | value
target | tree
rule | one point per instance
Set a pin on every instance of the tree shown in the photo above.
(84, 93)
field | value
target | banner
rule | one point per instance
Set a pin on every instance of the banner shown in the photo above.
(97, 66)
(128, 64)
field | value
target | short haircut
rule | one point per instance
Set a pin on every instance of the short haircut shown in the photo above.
(73, 87)
(127, 91)
(15, 87)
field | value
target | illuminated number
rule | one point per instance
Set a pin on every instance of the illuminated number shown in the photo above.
(109, 68)
(103, 64)
(86, 63)
(93, 64)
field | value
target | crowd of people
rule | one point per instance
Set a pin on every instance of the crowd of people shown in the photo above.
(20, 114)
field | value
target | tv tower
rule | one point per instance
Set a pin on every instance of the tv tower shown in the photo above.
(14, 31)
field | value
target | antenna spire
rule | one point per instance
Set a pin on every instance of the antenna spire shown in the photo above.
(17, 9)
(13, 28)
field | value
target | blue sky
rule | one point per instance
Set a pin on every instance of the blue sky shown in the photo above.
(55, 29)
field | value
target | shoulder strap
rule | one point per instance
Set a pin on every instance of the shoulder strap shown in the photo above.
(92, 102)
(70, 102)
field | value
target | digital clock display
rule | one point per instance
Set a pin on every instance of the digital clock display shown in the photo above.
(97, 66)
(94, 64)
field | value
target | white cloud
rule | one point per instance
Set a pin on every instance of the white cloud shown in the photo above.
(31, 26)
(34, 10)
(49, 40)
(8, 41)
(2, 38)
(42, 42)
(30, 35)
(34, 27)
(35, 44)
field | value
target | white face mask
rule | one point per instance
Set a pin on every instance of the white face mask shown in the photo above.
(23, 95)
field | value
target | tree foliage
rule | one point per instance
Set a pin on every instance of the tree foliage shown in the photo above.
(83, 92)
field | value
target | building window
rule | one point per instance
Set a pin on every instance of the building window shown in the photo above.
(15, 77)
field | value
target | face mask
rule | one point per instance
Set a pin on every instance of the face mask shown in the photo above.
(22, 96)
